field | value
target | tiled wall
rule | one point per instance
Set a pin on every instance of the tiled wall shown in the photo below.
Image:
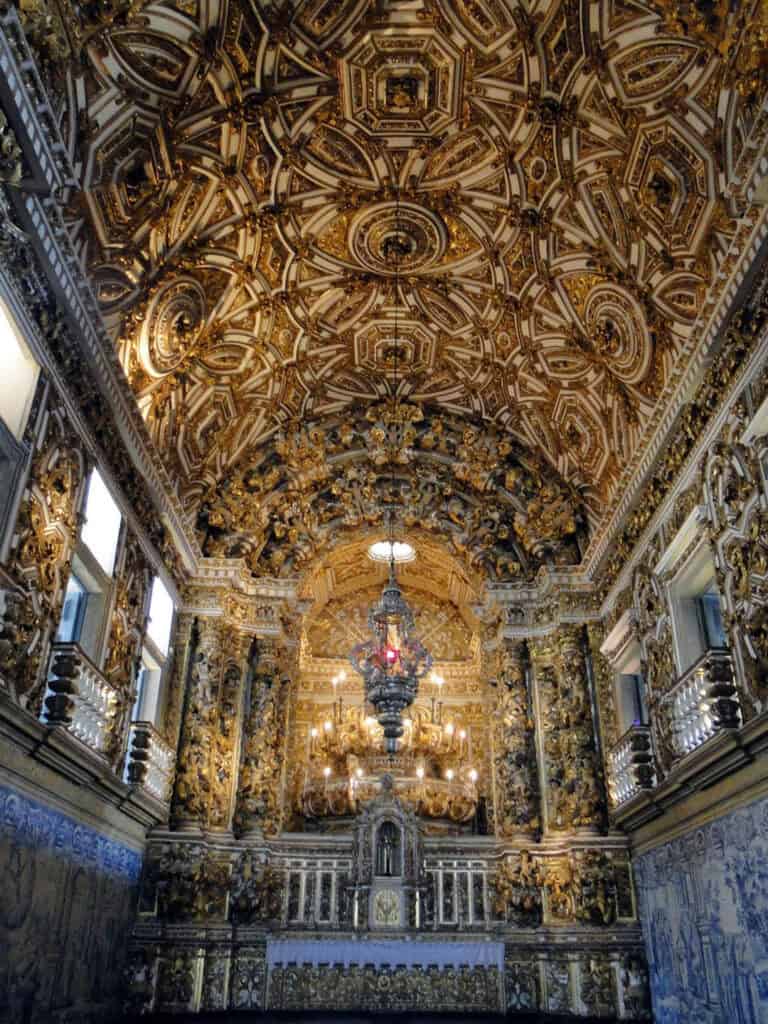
(67, 897)
(704, 906)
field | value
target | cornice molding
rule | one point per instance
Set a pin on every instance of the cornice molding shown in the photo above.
(233, 572)
(749, 372)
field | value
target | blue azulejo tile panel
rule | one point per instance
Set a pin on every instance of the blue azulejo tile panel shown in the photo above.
(704, 907)
(67, 904)
(28, 822)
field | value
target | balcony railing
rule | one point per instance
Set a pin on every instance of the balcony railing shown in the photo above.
(150, 761)
(80, 698)
(630, 765)
(703, 703)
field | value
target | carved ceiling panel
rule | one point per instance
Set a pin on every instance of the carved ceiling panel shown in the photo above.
(549, 174)
(343, 622)
(436, 570)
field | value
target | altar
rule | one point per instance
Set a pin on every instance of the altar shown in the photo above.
(384, 953)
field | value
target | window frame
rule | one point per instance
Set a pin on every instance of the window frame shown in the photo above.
(15, 446)
(27, 355)
(101, 586)
(692, 579)
(154, 698)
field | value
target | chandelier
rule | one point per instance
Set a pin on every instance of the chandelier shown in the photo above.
(392, 662)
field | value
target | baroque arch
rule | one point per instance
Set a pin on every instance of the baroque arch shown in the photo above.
(503, 510)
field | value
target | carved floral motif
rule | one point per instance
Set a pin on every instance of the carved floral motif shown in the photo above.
(259, 803)
(46, 530)
(517, 786)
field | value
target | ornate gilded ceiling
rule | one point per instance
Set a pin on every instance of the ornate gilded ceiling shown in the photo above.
(550, 173)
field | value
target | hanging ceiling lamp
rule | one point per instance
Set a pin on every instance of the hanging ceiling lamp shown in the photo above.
(393, 661)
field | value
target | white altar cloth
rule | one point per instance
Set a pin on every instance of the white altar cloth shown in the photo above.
(381, 952)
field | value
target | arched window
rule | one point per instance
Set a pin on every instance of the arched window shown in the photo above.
(388, 850)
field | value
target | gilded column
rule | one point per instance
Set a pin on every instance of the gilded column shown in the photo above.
(571, 778)
(192, 789)
(517, 796)
(129, 612)
(227, 728)
(259, 793)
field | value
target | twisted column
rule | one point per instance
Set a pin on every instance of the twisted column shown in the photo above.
(259, 806)
(571, 776)
(517, 796)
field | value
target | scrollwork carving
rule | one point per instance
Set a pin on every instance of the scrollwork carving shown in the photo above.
(502, 508)
(191, 884)
(259, 804)
(133, 577)
(46, 530)
(257, 891)
(515, 761)
(517, 888)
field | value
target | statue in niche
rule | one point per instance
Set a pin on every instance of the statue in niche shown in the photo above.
(388, 850)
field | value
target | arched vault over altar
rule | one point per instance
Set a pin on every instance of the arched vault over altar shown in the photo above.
(497, 505)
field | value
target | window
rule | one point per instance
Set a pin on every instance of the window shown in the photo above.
(73, 614)
(696, 614)
(89, 590)
(141, 685)
(160, 616)
(629, 688)
(710, 620)
(631, 700)
(101, 530)
(145, 707)
(18, 373)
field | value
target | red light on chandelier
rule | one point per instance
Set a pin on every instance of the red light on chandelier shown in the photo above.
(392, 662)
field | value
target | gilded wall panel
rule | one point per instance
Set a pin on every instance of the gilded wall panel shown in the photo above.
(39, 563)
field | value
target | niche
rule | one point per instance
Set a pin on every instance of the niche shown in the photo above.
(388, 850)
